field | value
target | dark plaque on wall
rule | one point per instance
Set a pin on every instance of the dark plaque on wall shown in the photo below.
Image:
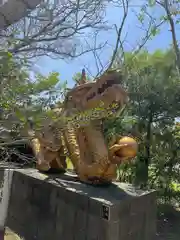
(106, 212)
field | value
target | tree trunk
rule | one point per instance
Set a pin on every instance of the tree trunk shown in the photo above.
(147, 148)
(168, 195)
(173, 32)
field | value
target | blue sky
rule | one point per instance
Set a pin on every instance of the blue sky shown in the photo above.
(134, 33)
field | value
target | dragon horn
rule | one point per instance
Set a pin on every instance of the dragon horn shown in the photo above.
(83, 76)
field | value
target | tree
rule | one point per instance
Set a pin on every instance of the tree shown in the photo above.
(171, 17)
(21, 96)
(153, 85)
(171, 13)
(53, 29)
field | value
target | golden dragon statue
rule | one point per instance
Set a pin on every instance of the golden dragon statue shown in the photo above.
(81, 137)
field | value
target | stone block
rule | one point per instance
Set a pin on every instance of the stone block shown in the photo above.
(59, 207)
(6, 177)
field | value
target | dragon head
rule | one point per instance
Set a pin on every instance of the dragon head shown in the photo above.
(107, 90)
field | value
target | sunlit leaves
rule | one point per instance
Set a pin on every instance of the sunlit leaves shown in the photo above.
(45, 83)
(77, 77)
(141, 17)
(151, 3)
(178, 21)
(155, 31)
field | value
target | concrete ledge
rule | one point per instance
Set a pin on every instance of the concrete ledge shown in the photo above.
(45, 207)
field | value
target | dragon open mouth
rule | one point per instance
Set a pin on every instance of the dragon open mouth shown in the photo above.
(98, 99)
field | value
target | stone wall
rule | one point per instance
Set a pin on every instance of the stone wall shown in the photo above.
(5, 191)
(45, 207)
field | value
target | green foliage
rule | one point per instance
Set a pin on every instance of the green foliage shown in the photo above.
(154, 31)
(45, 83)
(153, 85)
(21, 96)
(151, 3)
(78, 76)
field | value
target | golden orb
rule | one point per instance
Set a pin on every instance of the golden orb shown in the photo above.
(130, 148)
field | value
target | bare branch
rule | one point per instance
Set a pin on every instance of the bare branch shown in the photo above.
(54, 28)
(165, 4)
(96, 51)
(125, 4)
(152, 24)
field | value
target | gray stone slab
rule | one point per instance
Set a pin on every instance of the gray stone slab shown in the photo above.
(5, 190)
(60, 207)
